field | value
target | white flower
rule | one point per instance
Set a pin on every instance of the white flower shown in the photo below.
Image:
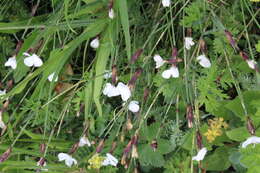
(84, 141)
(124, 91)
(134, 106)
(204, 61)
(158, 60)
(173, 71)
(51, 76)
(11, 62)
(69, 161)
(95, 43)
(251, 140)
(251, 63)
(110, 90)
(107, 74)
(188, 42)
(201, 154)
(2, 92)
(110, 160)
(2, 124)
(111, 13)
(32, 60)
(166, 3)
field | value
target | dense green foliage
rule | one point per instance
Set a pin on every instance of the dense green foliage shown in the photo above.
(223, 101)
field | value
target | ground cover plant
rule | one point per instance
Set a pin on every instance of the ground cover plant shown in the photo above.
(129, 86)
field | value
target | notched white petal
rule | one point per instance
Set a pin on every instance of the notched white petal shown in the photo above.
(110, 160)
(84, 141)
(110, 90)
(188, 42)
(94, 43)
(134, 106)
(69, 161)
(111, 13)
(201, 154)
(158, 60)
(124, 91)
(172, 72)
(251, 140)
(11, 62)
(251, 63)
(166, 3)
(32, 60)
(204, 61)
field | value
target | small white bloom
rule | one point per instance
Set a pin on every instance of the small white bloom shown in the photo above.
(84, 141)
(51, 76)
(11, 62)
(173, 71)
(2, 124)
(2, 92)
(124, 91)
(69, 161)
(166, 3)
(251, 140)
(201, 154)
(107, 74)
(158, 60)
(110, 160)
(111, 13)
(188, 42)
(134, 106)
(204, 61)
(32, 60)
(251, 63)
(95, 43)
(110, 90)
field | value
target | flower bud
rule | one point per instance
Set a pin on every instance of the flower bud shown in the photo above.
(42, 148)
(129, 124)
(74, 148)
(114, 74)
(199, 140)
(244, 55)
(134, 152)
(203, 46)
(132, 81)
(230, 39)
(250, 126)
(136, 55)
(189, 116)
(174, 52)
(113, 147)
(100, 146)
(146, 94)
(5, 155)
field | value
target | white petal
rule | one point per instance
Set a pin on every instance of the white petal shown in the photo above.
(63, 156)
(110, 160)
(111, 13)
(2, 125)
(166, 3)
(110, 90)
(51, 76)
(251, 140)
(28, 61)
(204, 61)
(37, 62)
(134, 106)
(11, 62)
(188, 42)
(84, 141)
(251, 63)
(124, 91)
(172, 72)
(201, 154)
(158, 60)
(94, 43)
(2, 92)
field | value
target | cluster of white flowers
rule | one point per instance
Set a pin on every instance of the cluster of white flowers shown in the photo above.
(30, 61)
(171, 72)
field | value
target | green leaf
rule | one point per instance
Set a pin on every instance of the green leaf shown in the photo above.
(238, 134)
(123, 11)
(149, 157)
(218, 161)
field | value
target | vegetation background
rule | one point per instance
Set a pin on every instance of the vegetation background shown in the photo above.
(216, 107)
